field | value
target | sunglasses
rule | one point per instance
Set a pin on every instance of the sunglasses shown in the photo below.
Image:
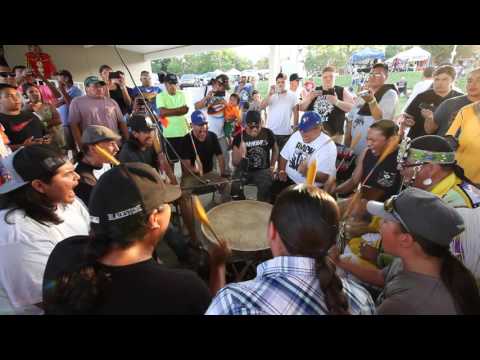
(389, 206)
(6, 74)
(251, 126)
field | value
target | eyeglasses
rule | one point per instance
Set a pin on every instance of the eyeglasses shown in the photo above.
(253, 126)
(6, 74)
(375, 74)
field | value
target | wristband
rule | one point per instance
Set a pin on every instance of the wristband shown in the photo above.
(337, 102)
(372, 101)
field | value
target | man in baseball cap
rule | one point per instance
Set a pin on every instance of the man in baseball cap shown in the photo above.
(93, 80)
(171, 78)
(418, 228)
(92, 162)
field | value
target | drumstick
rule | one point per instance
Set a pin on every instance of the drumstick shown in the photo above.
(311, 173)
(392, 145)
(107, 155)
(202, 216)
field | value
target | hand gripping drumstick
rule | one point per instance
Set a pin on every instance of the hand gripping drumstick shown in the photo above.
(107, 155)
(354, 143)
(202, 216)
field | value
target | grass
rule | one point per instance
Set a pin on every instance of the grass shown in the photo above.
(345, 81)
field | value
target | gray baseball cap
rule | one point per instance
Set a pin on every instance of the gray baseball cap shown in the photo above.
(94, 134)
(421, 213)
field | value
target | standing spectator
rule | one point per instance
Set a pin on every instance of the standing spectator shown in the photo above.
(424, 104)
(7, 77)
(39, 211)
(123, 277)
(465, 130)
(95, 108)
(241, 84)
(149, 92)
(47, 113)
(25, 76)
(22, 127)
(447, 110)
(281, 104)
(308, 87)
(402, 86)
(117, 89)
(69, 91)
(215, 102)
(254, 155)
(173, 105)
(421, 86)
(233, 120)
(295, 85)
(331, 102)
(379, 104)
(305, 145)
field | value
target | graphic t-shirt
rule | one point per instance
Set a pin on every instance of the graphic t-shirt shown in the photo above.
(296, 151)
(22, 126)
(334, 115)
(216, 115)
(385, 177)
(258, 148)
(150, 93)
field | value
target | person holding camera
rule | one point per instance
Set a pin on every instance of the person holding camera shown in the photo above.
(330, 101)
(254, 154)
(49, 92)
(117, 88)
(421, 108)
(148, 91)
(215, 102)
(377, 101)
(23, 128)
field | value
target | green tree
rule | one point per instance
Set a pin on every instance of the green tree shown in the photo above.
(262, 63)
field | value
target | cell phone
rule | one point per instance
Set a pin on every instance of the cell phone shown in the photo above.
(363, 93)
(219, 93)
(114, 75)
(318, 88)
(425, 106)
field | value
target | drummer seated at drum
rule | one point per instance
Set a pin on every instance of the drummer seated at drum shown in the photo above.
(305, 145)
(198, 158)
(300, 279)
(251, 156)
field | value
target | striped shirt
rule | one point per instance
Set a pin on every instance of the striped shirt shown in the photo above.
(286, 285)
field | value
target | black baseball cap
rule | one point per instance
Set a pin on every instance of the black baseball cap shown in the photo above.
(421, 213)
(223, 80)
(27, 164)
(171, 78)
(253, 117)
(141, 188)
(94, 134)
(294, 77)
(141, 123)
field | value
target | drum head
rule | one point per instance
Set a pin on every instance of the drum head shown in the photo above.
(242, 223)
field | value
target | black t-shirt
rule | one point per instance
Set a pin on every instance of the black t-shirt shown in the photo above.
(131, 152)
(335, 115)
(87, 181)
(427, 97)
(118, 97)
(22, 126)
(144, 288)
(386, 176)
(258, 148)
(206, 150)
(447, 111)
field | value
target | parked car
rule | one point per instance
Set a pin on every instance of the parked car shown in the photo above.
(205, 78)
(189, 80)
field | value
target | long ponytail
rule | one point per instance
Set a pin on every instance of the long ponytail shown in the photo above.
(307, 219)
(459, 281)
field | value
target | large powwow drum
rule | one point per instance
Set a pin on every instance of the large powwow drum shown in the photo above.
(244, 225)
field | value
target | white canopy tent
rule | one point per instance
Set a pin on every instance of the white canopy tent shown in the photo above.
(414, 54)
(233, 72)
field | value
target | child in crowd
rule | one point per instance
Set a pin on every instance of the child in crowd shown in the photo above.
(232, 118)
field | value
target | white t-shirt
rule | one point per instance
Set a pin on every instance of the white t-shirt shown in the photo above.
(25, 246)
(279, 111)
(295, 151)
(361, 123)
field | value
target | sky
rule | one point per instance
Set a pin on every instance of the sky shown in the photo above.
(253, 52)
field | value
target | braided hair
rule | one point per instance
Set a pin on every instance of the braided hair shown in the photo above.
(307, 220)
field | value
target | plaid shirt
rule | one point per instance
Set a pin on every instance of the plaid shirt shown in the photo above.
(285, 285)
